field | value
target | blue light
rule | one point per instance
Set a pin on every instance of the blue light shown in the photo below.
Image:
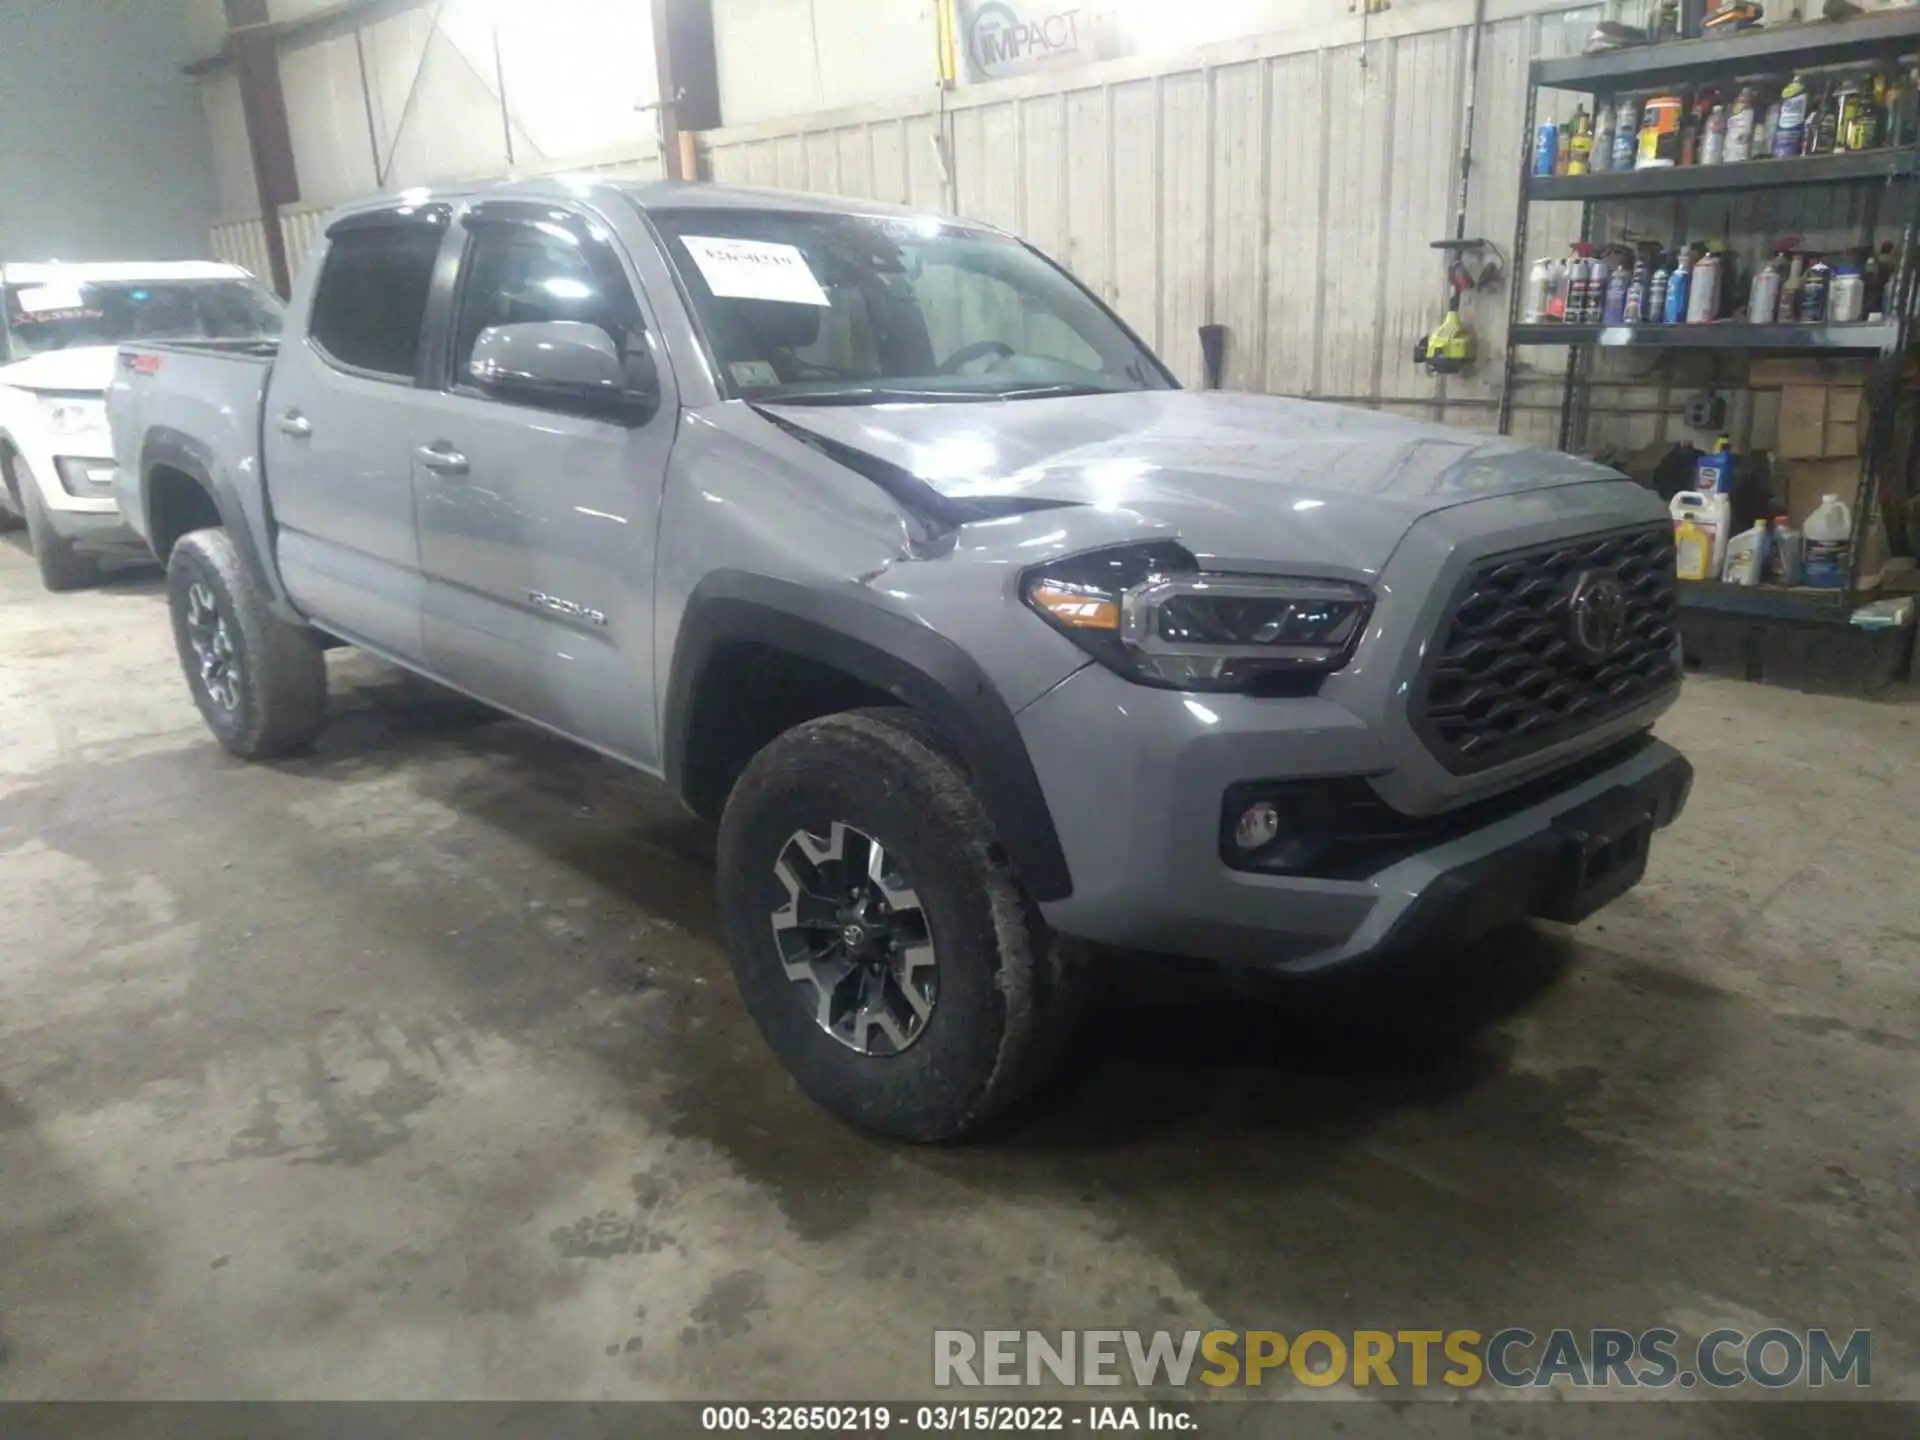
(141, 295)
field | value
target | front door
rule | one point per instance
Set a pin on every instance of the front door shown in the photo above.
(536, 524)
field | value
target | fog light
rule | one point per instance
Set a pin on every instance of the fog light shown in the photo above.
(1257, 826)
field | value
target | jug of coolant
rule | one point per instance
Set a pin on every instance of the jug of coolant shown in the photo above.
(1827, 552)
(1700, 534)
(1747, 556)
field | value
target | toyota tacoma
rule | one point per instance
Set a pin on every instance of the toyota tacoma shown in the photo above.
(888, 546)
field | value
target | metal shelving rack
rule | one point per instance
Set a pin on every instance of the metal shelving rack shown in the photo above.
(1773, 51)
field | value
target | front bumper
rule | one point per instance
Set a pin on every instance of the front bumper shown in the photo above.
(1141, 833)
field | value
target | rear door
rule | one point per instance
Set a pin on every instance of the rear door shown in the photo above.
(338, 429)
(537, 523)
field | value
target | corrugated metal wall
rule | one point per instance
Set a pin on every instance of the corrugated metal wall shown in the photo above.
(1286, 190)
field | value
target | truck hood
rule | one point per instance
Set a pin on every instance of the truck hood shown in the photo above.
(85, 369)
(1239, 477)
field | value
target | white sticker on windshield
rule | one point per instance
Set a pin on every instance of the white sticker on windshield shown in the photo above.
(45, 299)
(755, 270)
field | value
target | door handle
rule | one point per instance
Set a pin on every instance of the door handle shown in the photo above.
(295, 426)
(442, 458)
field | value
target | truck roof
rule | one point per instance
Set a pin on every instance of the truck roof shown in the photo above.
(656, 195)
(46, 272)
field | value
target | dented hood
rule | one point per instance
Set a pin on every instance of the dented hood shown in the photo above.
(1251, 477)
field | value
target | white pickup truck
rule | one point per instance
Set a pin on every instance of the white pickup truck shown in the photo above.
(60, 326)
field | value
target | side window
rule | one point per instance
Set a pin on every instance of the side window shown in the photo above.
(372, 294)
(518, 273)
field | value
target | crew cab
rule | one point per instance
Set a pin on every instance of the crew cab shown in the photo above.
(889, 547)
(59, 328)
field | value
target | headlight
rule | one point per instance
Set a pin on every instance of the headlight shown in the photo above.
(1152, 614)
(75, 417)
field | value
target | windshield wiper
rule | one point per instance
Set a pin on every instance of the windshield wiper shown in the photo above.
(875, 395)
(1042, 392)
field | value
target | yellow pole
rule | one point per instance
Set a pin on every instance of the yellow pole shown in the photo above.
(948, 29)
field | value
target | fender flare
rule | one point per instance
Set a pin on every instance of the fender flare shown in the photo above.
(179, 451)
(891, 653)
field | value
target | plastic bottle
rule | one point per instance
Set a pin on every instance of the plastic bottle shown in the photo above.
(1713, 475)
(1792, 119)
(1675, 312)
(1763, 301)
(1614, 311)
(1603, 139)
(1692, 549)
(1580, 142)
(1746, 560)
(1763, 130)
(1539, 283)
(1703, 304)
(1709, 516)
(1783, 558)
(1827, 554)
(1847, 294)
(1813, 293)
(1739, 144)
(1790, 290)
(1824, 125)
(1626, 132)
(1713, 147)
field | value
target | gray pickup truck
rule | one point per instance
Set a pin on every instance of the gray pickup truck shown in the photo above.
(887, 545)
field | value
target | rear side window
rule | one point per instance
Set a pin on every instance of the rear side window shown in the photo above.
(372, 296)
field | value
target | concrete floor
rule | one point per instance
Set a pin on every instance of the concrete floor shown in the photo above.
(414, 1069)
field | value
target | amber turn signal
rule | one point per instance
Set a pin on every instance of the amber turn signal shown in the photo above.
(1077, 608)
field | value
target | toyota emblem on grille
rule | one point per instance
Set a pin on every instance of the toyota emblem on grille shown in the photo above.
(1596, 614)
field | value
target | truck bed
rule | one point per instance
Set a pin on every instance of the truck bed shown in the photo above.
(195, 405)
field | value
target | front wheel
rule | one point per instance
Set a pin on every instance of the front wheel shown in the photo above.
(61, 566)
(260, 683)
(880, 942)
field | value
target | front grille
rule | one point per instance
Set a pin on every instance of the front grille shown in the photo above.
(1507, 680)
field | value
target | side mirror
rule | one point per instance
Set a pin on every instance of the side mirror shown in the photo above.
(565, 365)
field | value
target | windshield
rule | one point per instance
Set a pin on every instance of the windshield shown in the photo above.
(830, 309)
(59, 315)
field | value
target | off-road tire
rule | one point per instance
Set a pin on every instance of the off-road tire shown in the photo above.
(1008, 989)
(282, 679)
(61, 566)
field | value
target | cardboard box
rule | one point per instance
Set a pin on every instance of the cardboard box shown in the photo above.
(1821, 421)
(1806, 481)
(1826, 370)
(1803, 422)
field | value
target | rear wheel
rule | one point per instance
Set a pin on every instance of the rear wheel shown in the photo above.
(880, 941)
(61, 566)
(260, 683)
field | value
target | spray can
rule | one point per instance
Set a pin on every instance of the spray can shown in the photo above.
(1614, 311)
(1763, 130)
(1703, 299)
(1580, 142)
(1825, 125)
(1539, 282)
(1713, 149)
(1677, 283)
(1739, 143)
(1546, 148)
(1626, 132)
(1813, 293)
(1636, 294)
(1597, 290)
(1655, 308)
(1852, 126)
(1789, 124)
(1763, 301)
(1603, 139)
